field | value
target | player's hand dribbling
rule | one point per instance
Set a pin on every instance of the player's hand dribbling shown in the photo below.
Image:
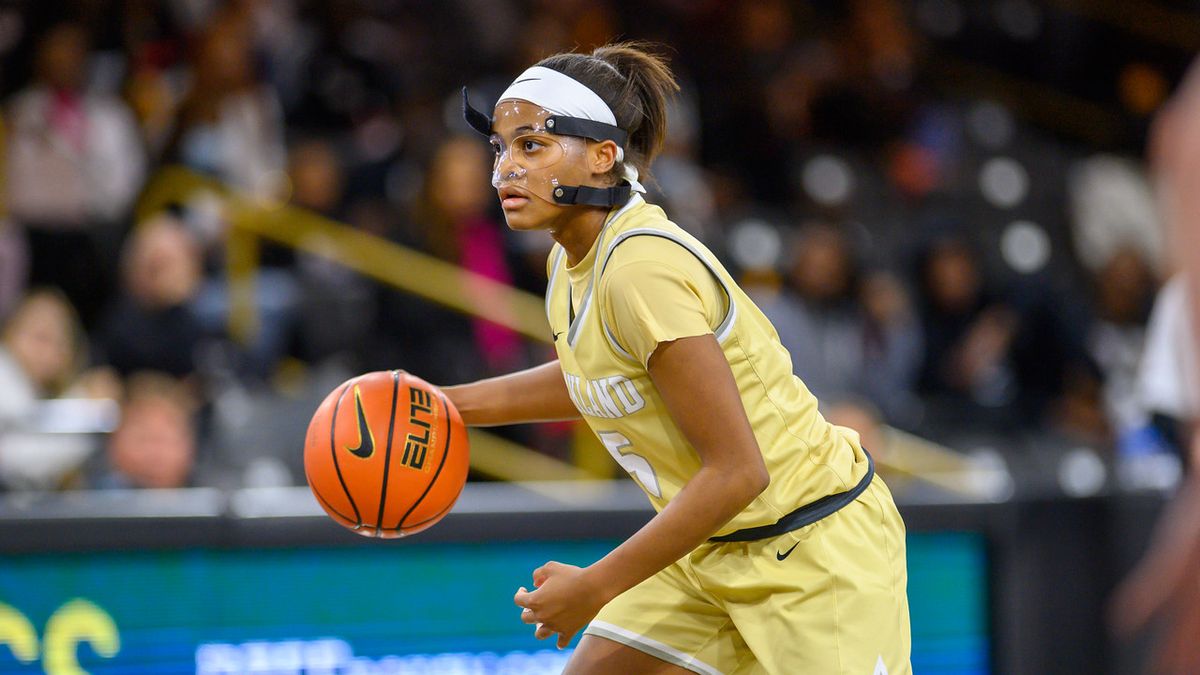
(565, 599)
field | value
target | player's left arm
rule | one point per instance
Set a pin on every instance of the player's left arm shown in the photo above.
(694, 380)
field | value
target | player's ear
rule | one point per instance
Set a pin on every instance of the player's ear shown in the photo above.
(602, 156)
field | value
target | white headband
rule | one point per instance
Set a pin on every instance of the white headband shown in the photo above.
(560, 94)
(564, 95)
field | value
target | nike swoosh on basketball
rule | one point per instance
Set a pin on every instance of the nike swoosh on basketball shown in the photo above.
(782, 556)
(366, 441)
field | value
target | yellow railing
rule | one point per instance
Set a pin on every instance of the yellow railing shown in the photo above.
(252, 220)
(380, 259)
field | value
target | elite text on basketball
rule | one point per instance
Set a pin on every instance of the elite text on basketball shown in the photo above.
(416, 446)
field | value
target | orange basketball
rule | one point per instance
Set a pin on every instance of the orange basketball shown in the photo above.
(386, 454)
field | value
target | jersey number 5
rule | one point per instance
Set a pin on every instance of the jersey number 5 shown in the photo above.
(635, 464)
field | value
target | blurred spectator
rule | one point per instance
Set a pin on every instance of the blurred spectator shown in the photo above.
(152, 325)
(41, 356)
(1168, 385)
(14, 266)
(336, 312)
(848, 336)
(318, 177)
(892, 345)
(454, 215)
(154, 445)
(817, 317)
(1060, 387)
(1125, 288)
(686, 193)
(153, 43)
(1113, 208)
(152, 100)
(968, 333)
(74, 166)
(44, 338)
(276, 299)
(229, 125)
(1003, 362)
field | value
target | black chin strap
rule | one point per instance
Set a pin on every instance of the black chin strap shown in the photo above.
(583, 195)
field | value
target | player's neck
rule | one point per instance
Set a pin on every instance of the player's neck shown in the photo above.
(578, 232)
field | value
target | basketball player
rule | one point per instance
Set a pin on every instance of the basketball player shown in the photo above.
(1165, 585)
(775, 548)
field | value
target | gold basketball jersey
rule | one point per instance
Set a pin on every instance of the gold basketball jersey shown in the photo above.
(644, 281)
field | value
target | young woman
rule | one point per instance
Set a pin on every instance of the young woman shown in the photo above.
(775, 548)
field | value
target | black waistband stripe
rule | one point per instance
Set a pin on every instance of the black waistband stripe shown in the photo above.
(805, 515)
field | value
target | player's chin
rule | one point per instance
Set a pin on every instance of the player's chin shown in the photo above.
(527, 217)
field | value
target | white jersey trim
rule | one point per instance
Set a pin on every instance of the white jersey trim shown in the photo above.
(586, 305)
(612, 341)
(650, 646)
(573, 329)
(554, 267)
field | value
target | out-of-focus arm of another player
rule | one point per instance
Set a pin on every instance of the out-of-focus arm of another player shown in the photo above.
(534, 395)
(1166, 583)
(1175, 162)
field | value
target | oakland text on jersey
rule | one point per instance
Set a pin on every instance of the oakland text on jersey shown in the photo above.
(613, 396)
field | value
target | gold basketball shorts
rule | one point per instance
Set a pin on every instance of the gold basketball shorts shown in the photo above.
(827, 598)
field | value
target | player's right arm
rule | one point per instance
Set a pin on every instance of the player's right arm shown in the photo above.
(535, 395)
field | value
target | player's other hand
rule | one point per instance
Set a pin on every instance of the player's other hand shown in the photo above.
(565, 600)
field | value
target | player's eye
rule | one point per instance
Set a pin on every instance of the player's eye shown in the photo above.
(497, 148)
(530, 146)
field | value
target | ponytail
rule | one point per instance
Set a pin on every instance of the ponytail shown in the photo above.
(636, 84)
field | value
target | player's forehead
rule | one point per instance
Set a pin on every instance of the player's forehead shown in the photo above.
(513, 117)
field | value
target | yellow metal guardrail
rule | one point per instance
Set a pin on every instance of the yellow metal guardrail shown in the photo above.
(378, 258)
(252, 220)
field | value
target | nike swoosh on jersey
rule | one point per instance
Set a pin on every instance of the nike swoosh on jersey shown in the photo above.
(784, 555)
(366, 440)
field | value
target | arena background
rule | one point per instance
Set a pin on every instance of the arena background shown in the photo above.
(214, 212)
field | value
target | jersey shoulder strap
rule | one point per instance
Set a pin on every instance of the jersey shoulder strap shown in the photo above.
(722, 330)
(553, 268)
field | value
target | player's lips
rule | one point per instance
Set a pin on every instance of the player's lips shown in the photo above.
(512, 198)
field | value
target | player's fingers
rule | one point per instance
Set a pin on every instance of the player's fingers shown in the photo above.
(542, 573)
(542, 632)
(527, 616)
(521, 597)
(564, 639)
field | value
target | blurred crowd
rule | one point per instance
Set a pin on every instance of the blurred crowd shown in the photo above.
(935, 256)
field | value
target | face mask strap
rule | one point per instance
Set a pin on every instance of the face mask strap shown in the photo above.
(479, 121)
(577, 126)
(590, 196)
(568, 126)
(558, 124)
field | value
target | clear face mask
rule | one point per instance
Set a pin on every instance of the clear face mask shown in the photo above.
(528, 155)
